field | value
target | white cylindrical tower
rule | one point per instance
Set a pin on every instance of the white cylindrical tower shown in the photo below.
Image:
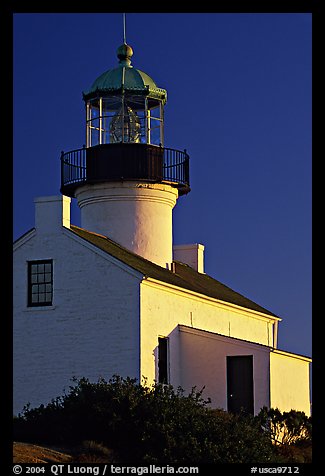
(136, 215)
(125, 181)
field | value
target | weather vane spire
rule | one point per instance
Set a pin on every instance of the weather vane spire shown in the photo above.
(124, 28)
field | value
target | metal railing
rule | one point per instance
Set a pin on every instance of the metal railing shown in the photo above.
(73, 167)
(76, 166)
(176, 166)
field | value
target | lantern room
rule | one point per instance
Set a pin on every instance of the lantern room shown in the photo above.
(124, 105)
(124, 134)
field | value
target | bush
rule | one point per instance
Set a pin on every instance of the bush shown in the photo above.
(93, 452)
(143, 425)
(290, 432)
(287, 427)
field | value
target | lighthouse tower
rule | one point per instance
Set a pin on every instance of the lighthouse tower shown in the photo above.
(125, 181)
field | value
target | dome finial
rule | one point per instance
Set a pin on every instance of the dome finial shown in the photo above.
(124, 54)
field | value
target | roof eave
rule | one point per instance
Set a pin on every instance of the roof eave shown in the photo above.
(258, 314)
(154, 93)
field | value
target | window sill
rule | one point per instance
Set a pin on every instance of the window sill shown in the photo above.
(39, 308)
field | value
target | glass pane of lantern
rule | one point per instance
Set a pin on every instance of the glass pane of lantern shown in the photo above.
(142, 130)
(111, 104)
(94, 130)
(155, 112)
(136, 103)
(125, 126)
(155, 131)
(106, 121)
(155, 136)
(94, 108)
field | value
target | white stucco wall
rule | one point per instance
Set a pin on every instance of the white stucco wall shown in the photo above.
(203, 362)
(290, 381)
(163, 307)
(91, 330)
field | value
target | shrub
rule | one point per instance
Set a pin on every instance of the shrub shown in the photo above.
(287, 427)
(143, 425)
(290, 433)
(93, 452)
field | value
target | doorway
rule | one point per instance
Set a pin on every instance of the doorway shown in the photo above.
(163, 360)
(240, 384)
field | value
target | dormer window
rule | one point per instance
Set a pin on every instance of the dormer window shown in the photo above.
(40, 283)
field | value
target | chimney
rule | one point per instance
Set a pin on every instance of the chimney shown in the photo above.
(51, 213)
(193, 255)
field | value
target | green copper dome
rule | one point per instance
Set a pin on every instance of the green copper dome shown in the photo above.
(125, 78)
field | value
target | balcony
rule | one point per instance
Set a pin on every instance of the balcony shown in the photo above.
(124, 162)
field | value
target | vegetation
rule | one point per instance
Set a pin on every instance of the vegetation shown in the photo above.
(159, 424)
(290, 433)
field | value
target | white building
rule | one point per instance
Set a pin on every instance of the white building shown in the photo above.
(114, 296)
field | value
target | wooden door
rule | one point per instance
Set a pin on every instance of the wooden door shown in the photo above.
(240, 384)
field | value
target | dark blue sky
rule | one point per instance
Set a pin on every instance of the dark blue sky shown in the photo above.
(239, 101)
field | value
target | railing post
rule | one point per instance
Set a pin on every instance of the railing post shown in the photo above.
(84, 170)
(62, 165)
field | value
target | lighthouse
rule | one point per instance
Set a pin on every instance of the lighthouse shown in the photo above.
(125, 180)
(114, 296)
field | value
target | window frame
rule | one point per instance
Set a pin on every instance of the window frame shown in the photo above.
(39, 282)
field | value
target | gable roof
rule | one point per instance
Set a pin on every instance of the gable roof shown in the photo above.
(182, 276)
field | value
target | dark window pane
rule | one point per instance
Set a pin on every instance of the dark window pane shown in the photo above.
(33, 268)
(35, 288)
(40, 272)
